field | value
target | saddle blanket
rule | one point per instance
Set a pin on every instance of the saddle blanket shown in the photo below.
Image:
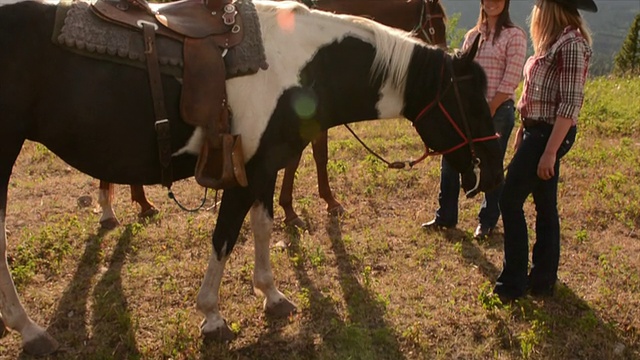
(78, 28)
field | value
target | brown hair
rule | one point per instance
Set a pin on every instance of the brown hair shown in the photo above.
(547, 22)
(504, 20)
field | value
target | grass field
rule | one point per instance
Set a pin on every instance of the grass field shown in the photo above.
(369, 285)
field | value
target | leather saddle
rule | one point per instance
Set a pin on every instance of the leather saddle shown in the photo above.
(207, 29)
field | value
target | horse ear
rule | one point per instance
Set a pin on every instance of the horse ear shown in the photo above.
(470, 54)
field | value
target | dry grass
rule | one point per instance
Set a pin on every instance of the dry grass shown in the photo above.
(369, 285)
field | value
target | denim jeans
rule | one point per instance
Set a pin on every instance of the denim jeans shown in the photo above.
(447, 213)
(522, 180)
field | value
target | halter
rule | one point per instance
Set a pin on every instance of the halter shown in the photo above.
(426, 26)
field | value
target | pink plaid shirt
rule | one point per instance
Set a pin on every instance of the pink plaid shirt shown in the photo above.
(502, 61)
(554, 82)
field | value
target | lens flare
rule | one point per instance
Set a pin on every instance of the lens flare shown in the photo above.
(286, 20)
(304, 105)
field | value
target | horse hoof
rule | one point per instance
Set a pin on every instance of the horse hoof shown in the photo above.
(220, 335)
(281, 245)
(336, 210)
(109, 224)
(85, 201)
(148, 213)
(282, 308)
(42, 345)
(296, 222)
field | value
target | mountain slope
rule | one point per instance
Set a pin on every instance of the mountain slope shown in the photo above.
(609, 25)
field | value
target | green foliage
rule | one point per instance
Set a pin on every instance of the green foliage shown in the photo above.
(532, 337)
(609, 108)
(455, 35)
(487, 298)
(43, 252)
(627, 61)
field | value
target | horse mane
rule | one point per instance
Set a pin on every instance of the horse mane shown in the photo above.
(394, 47)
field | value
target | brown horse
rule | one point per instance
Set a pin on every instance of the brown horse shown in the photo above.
(425, 18)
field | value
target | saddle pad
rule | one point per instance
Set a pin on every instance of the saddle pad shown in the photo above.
(77, 28)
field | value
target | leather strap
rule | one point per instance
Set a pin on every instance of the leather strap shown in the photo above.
(163, 130)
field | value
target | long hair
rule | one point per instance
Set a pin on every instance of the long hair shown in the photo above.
(504, 20)
(549, 19)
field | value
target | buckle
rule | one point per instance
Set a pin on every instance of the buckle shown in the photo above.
(161, 122)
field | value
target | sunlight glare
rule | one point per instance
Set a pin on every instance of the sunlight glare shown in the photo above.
(286, 20)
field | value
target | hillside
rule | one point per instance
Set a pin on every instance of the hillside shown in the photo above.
(609, 26)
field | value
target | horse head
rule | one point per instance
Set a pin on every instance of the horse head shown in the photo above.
(432, 26)
(466, 136)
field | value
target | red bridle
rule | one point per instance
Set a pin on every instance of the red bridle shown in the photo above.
(467, 139)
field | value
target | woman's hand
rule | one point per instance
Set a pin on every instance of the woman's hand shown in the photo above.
(546, 165)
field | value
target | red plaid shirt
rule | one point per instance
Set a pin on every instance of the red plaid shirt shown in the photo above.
(554, 82)
(502, 61)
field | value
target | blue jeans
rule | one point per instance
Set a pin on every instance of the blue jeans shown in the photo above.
(447, 213)
(522, 180)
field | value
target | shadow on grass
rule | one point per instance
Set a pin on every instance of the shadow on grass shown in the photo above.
(112, 335)
(560, 327)
(68, 325)
(327, 334)
(364, 333)
(473, 254)
(366, 324)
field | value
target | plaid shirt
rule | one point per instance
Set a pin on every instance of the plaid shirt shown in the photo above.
(502, 61)
(554, 82)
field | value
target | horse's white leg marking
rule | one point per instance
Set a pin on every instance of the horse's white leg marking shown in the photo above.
(261, 225)
(13, 313)
(208, 296)
(105, 199)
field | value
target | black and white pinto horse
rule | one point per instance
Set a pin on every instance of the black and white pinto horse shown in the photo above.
(324, 70)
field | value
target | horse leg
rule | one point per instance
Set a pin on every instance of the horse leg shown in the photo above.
(321, 157)
(234, 206)
(286, 195)
(275, 303)
(35, 339)
(108, 220)
(147, 209)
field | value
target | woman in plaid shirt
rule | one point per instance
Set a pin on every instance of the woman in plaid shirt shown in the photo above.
(553, 92)
(501, 54)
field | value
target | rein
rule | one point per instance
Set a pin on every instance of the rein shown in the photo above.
(467, 139)
(172, 196)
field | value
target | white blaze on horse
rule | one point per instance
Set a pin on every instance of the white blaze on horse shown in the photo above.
(348, 68)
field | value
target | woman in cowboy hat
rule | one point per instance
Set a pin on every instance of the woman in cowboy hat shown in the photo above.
(552, 97)
(501, 55)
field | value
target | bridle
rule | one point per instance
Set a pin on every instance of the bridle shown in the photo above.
(426, 24)
(467, 139)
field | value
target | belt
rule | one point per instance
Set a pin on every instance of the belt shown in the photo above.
(533, 122)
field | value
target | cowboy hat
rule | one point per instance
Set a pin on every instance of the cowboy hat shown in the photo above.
(586, 5)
